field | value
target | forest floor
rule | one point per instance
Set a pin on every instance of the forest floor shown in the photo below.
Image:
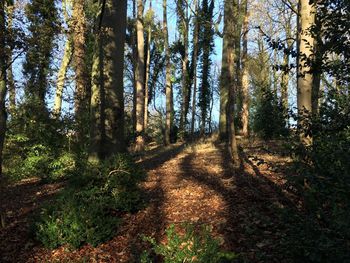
(185, 183)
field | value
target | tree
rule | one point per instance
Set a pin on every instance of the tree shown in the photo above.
(183, 22)
(43, 27)
(193, 68)
(66, 60)
(10, 9)
(306, 20)
(244, 74)
(3, 79)
(82, 85)
(228, 74)
(149, 17)
(168, 88)
(139, 78)
(206, 42)
(107, 100)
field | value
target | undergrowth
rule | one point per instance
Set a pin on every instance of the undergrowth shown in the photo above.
(194, 245)
(86, 211)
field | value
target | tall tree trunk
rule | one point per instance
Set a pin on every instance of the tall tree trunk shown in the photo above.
(194, 67)
(245, 81)
(61, 77)
(285, 72)
(97, 105)
(228, 72)
(10, 79)
(225, 81)
(168, 88)
(134, 62)
(147, 66)
(207, 41)
(82, 91)
(317, 62)
(107, 102)
(3, 64)
(183, 11)
(140, 74)
(306, 20)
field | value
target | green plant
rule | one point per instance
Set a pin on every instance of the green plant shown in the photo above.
(85, 212)
(192, 246)
(321, 178)
(269, 120)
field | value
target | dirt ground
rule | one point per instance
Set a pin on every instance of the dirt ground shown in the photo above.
(185, 183)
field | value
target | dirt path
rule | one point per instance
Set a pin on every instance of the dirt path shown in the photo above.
(197, 184)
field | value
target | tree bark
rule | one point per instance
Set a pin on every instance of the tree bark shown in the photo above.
(140, 74)
(306, 19)
(245, 81)
(194, 66)
(10, 79)
(61, 78)
(3, 80)
(185, 73)
(82, 92)
(147, 65)
(168, 88)
(228, 72)
(107, 100)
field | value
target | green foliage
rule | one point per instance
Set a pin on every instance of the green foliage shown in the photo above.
(24, 160)
(323, 181)
(268, 119)
(192, 246)
(85, 212)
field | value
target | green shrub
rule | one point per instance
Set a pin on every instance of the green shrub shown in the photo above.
(192, 246)
(62, 166)
(269, 118)
(321, 178)
(85, 211)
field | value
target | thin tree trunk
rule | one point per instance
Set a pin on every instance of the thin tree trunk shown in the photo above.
(306, 19)
(185, 73)
(148, 64)
(3, 80)
(194, 66)
(61, 77)
(134, 63)
(245, 81)
(316, 82)
(140, 74)
(285, 72)
(10, 79)
(168, 88)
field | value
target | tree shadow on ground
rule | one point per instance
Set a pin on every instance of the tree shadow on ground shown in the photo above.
(253, 227)
(150, 221)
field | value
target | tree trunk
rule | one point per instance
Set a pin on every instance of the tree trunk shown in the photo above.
(306, 19)
(194, 66)
(140, 74)
(61, 78)
(245, 81)
(82, 92)
(107, 100)
(10, 79)
(168, 88)
(148, 65)
(185, 73)
(3, 63)
(228, 72)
